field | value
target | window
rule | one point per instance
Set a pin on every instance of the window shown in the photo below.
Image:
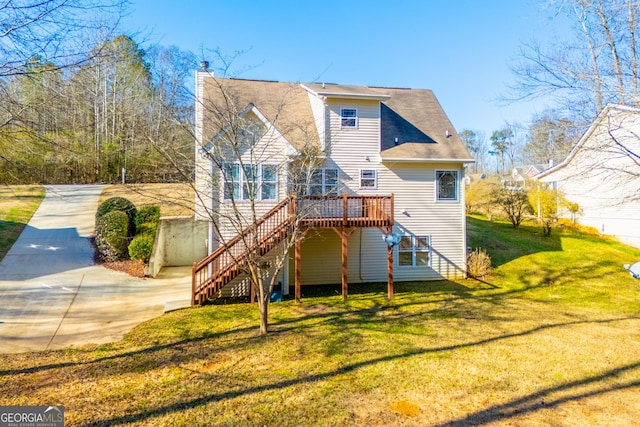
(269, 182)
(446, 185)
(324, 182)
(349, 117)
(413, 251)
(257, 182)
(368, 178)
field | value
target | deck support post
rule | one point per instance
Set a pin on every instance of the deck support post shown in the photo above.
(193, 284)
(345, 270)
(344, 234)
(390, 272)
(298, 268)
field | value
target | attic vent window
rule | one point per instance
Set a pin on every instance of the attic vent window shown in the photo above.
(349, 117)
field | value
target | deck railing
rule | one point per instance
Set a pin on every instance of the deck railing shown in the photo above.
(345, 211)
(225, 263)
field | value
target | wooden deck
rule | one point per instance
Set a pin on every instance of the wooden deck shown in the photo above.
(342, 213)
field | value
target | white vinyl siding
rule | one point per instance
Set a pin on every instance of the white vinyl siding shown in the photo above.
(413, 185)
(414, 189)
(353, 150)
(320, 119)
(270, 169)
(599, 177)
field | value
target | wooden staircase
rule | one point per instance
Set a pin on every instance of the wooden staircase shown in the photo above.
(227, 262)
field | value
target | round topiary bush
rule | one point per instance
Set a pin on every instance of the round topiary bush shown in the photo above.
(119, 204)
(112, 235)
(141, 247)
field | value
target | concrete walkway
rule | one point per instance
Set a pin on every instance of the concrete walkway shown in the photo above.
(53, 296)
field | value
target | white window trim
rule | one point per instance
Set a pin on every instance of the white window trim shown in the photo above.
(415, 250)
(457, 184)
(241, 184)
(375, 179)
(355, 118)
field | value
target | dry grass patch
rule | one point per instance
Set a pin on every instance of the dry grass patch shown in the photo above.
(173, 199)
(551, 338)
(505, 360)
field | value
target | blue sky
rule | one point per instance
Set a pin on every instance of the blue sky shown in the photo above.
(460, 49)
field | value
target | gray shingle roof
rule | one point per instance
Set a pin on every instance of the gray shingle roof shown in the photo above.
(413, 125)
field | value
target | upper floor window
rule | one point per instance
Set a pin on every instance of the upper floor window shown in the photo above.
(368, 178)
(413, 251)
(446, 185)
(349, 117)
(250, 182)
(324, 182)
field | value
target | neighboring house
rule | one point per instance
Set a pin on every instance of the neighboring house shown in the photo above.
(389, 154)
(602, 174)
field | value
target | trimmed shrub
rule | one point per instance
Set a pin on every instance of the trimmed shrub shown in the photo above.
(141, 247)
(147, 214)
(478, 263)
(119, 204)
(147, 228)
(112, 235)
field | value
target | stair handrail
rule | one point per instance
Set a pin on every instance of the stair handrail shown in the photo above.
(227, 247)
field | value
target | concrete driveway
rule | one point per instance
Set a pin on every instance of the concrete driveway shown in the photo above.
(53, 296)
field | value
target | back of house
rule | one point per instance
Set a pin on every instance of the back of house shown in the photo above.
(368, 143)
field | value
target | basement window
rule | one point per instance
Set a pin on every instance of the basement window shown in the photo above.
(413, 251)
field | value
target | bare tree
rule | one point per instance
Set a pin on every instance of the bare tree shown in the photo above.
(53, 31)
(514, 203)
(254, 179)
(597, 66)
(550, 138)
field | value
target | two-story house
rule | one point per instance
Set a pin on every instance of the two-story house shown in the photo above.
(365, 163)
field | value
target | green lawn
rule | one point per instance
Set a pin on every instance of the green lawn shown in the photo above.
(17, 205)
(552, 337)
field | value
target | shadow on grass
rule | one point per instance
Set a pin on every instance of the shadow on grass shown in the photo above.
(543, 399)
(504, 243)
(379, 288)
(529, 403)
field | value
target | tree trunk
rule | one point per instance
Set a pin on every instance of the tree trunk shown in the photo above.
(582, 18)
(634, 60)
(263, 304)
(606, 27)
